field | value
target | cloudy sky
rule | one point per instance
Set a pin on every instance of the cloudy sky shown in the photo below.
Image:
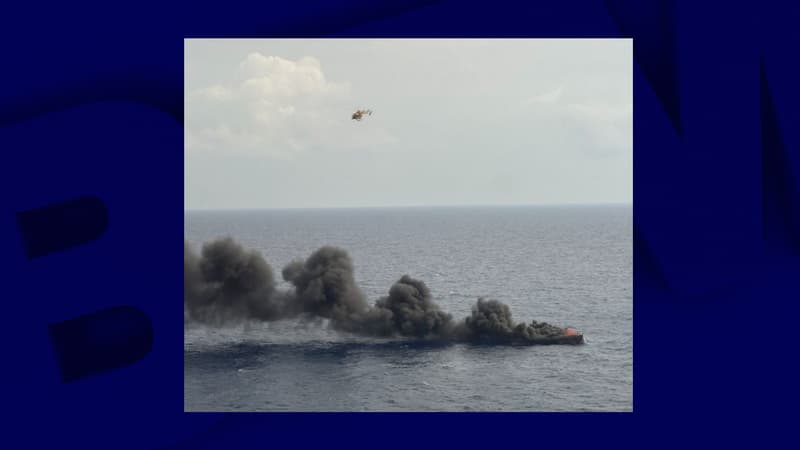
(456, 122)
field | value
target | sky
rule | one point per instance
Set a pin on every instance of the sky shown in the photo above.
(455, 122)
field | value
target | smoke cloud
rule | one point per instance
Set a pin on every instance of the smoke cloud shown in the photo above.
(227, 284)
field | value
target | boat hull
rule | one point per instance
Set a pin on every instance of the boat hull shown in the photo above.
(558, 340)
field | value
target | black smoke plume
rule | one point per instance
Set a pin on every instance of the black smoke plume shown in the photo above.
(226, 284)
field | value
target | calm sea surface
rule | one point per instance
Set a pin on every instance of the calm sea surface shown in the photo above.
(570, 266)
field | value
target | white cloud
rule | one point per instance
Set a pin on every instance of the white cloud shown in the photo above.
(275, 76)
(279, 108)
(547, 97)
(605, 128)
(597, 128)
(212, 93)
(602, 112)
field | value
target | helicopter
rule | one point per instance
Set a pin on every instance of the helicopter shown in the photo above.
(360, 113)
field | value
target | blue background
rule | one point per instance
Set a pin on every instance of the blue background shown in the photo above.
(91, 109)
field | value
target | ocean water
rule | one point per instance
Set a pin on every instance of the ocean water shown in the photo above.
(567, 265)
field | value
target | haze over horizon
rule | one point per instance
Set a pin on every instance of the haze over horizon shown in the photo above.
(455, 123)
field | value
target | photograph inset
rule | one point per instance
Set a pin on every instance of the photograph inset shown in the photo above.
(408, 225)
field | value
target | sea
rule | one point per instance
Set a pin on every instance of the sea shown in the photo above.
(565, 265)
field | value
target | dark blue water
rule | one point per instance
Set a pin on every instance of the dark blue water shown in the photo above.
(563, 265)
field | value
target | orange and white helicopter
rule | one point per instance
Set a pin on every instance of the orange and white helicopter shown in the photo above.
(360, 113)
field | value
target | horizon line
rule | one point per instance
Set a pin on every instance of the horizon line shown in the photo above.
(413, 206)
